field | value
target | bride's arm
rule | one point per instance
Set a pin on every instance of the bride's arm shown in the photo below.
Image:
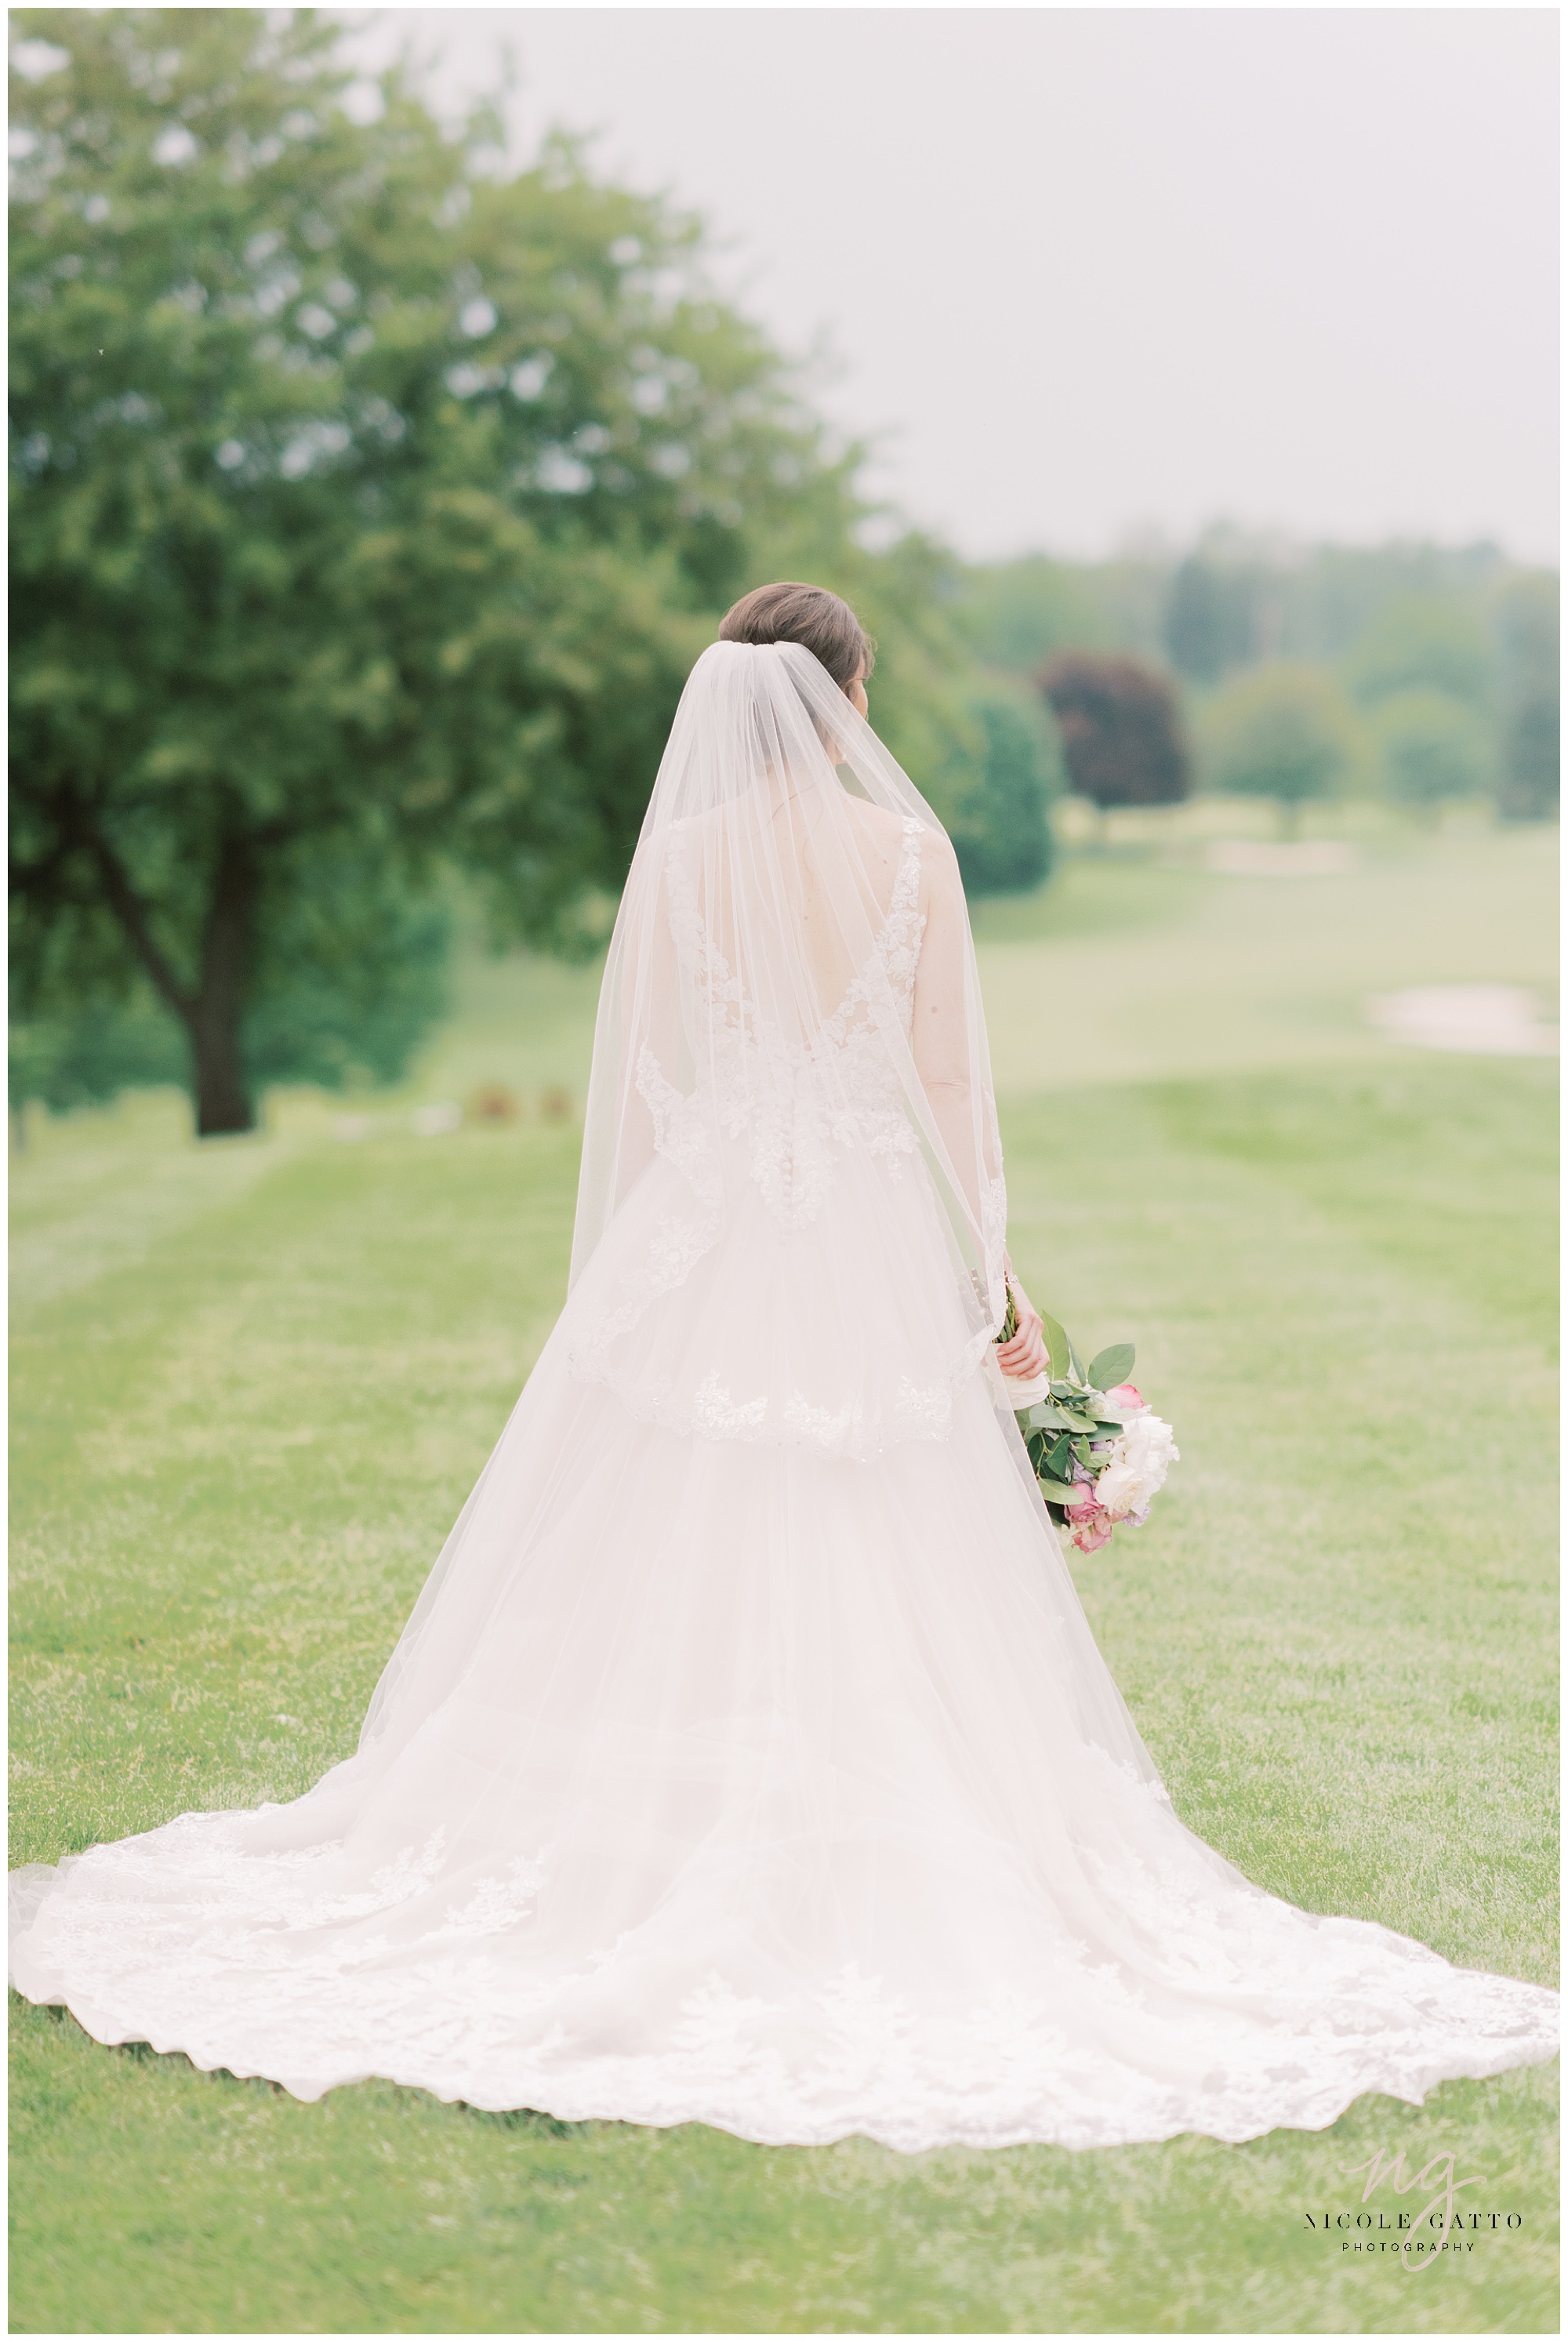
(943, 1041)
(940, 1039)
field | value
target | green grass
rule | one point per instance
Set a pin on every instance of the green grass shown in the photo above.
(254, 1383)
(1136, 971)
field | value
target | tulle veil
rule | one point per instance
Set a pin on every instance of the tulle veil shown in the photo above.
(765, 859)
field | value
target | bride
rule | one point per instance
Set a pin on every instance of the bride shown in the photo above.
(747, 1758)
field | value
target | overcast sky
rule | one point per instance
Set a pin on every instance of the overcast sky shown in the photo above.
(1093, 272)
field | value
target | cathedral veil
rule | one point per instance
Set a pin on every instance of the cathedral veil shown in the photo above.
(745, 954)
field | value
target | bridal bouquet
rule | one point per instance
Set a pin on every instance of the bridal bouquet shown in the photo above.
(1099, 1453)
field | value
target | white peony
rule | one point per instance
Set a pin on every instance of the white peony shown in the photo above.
(1136, 1472)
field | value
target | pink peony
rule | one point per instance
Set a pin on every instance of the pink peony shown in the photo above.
(1126, 1394)
(1091, 1529)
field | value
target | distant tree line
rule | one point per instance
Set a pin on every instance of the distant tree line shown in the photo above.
(1289, 674)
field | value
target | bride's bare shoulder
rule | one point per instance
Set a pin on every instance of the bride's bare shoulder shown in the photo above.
(879, 830)
(882, 832)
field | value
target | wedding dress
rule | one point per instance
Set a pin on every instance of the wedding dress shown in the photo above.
(747, 1758)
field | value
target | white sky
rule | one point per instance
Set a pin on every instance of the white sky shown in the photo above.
(1093, 272)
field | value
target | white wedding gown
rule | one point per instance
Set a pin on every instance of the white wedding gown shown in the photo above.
(748, 1759)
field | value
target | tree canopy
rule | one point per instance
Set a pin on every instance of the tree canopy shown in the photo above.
(1528, 628)
(1434, 748)
(1001, 827)
(1120, 719)
(1280, 731)
(370, 502)
(1418, 641)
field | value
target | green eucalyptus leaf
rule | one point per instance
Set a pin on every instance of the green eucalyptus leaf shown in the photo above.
(1113, 1366)
(1059, 1346)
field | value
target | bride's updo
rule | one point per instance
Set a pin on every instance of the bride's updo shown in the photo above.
(808, 615)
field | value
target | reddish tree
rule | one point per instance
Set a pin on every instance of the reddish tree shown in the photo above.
(1123, 740)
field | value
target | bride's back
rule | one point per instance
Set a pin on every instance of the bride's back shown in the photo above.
(791, 1005)
(783, 897)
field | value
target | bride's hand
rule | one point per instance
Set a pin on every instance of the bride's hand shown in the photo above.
(1025, 1354)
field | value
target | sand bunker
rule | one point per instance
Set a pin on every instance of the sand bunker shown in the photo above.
(1490, 1020)
(1301, 857)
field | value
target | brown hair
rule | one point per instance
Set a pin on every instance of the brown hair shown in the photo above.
(809, 615)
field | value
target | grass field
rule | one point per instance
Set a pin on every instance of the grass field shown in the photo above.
(254, 1381)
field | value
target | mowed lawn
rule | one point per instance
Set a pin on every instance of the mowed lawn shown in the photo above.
(254, 1383)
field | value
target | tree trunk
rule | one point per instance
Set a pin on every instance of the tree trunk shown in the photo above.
(223, 1095)
(224, 1103)
(212, 1012)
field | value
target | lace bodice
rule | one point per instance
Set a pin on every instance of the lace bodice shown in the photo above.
(771, 1282)
(794, 1102)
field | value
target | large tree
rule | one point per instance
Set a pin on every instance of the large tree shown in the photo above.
(370, 501)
